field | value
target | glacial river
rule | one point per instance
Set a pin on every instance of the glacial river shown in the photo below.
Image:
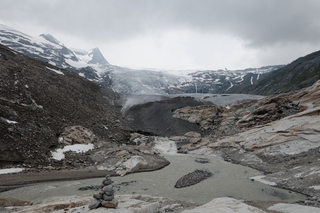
(228, 180)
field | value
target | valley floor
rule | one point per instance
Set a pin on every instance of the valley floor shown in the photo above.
(263, 156)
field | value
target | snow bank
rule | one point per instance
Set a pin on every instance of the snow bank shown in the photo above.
(315, 187)
(11, 170)
(8, 121)
(56, 71)
(78, 148)
(264, 181)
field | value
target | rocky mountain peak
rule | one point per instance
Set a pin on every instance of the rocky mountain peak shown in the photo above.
(97, 57)
(50, 38)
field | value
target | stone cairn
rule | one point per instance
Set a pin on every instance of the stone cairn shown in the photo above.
(105, 197)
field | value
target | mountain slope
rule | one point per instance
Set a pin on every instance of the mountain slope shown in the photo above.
(299, 74)
(221, 81)
(37, 102)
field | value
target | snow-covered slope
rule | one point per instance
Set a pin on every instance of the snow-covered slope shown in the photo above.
(92, 65)
(222, 81)
(89, 64)
(47, 48)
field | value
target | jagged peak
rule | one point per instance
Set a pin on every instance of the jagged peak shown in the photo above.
(97, 57)
(50, 38)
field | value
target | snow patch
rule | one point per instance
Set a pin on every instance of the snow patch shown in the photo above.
(231, 85)
(251, 80)
(8, 121)
(56, 71)
(315, 187)
(78, 148)
(264, 181)
(52, 63)
(11, 170)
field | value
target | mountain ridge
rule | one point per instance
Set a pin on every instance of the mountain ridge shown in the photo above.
(92, 65)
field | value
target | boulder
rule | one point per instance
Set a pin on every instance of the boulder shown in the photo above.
(97, 196)
(107, 182)
(94, 204)
(192, 178)
(135, 163)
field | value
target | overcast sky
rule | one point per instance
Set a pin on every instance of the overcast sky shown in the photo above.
(176, 34)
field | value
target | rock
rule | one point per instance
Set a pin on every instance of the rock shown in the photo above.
(192, 178)
(97, 196)
(139, 138)
(193, 134)
(122, 153)
(110, 204)
(76, 135)
(295, 103)
(107, 189)
(107, 197)
(94, 204)
(13, 202)
(107, 182)
(195, 140)
(90, 187)
(202, 160)
(135, 163)
(206, 116)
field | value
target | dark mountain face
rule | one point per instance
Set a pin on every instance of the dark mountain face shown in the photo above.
(38, 100)
(299, 74)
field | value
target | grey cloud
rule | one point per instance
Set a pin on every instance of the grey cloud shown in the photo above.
(259, 23)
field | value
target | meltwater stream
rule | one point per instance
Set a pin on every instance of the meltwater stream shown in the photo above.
(228, 180)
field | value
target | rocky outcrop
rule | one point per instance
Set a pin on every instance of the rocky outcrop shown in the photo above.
(222, 121)
(128, 159)
(155, 118)
(286, 148)
(127, 204)
(190, 141)
(206, 116)
(148, 204)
